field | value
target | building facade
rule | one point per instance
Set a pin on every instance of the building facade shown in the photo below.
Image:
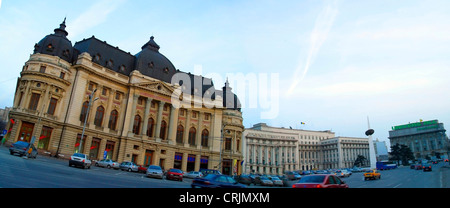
(270, 152)
(426, 139)
(342, 152)
(142, 109)
(295, 149)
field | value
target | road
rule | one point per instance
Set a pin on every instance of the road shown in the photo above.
(48, 172)
(404, 177)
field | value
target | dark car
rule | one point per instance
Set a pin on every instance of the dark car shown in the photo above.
(174, 174)
(244, 179)
(320, 181)
(426, 167)
(291, 175)
(21, 148)
(216, 181)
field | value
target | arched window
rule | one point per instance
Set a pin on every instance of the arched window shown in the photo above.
(192, 132)
(84, 112)
(99, 116)
(180, 132)
(150, 127)
(162, 134)
(205, 135)
(113, 120)
(137, 124)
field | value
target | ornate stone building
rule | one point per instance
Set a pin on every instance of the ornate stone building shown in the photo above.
(272, 150)
(143, 109)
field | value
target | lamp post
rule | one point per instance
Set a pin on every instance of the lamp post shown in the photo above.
(85, 118)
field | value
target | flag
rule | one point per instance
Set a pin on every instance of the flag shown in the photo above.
(302, 123)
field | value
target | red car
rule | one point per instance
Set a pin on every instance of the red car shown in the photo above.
(320, 181)
(174, 174)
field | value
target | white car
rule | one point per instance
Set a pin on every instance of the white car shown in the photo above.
(78, 159)
(193, 174)
(108, 163)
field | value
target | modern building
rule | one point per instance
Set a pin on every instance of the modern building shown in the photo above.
(273, 150)
(426, 139)
(137, 112)
(381, 150)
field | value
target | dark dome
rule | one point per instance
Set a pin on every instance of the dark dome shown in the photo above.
(153, 64)
(56, 44)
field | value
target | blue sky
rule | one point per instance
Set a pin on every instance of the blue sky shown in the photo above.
(337, 61)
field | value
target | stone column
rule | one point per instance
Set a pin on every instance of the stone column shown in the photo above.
(133, 112)
(198, 136)
(187, 127)
(146, 112)
(173, 125)
(184, 162)
(159, 119)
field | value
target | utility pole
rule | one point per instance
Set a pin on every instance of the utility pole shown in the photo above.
(85, 118)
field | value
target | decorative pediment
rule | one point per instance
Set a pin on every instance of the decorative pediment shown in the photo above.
(157, 86)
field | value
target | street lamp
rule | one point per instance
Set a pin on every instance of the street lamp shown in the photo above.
(85, 118)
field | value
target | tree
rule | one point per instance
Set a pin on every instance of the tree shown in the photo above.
(360, 160)
(406, 154)
(401, 153)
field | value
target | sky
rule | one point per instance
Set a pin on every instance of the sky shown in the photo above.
(330, 64)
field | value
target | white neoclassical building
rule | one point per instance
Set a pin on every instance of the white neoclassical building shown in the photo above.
(274, 150)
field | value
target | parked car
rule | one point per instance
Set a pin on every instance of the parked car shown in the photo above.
(320, 181)
(244, 179)
(142, 169)
(154, 171)
(82, 160)
(372, 174)
(338, 173)
(128, 166)
(276, 181)
(418, 167)
(205, 172)
(426, 167)
(216, 181)
(345, 173)
(285, 180)
(174, 174)
(293, 175)
(107, 163)
(193, 174)
(265, 181)
(21, 148)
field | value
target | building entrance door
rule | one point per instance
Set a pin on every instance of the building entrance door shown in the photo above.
(148, 157)
(25, 132)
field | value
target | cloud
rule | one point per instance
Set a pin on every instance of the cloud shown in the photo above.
(93, 16)
(318, 36)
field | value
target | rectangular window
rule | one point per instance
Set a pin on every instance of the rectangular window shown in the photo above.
(61, 75)
(52, 106)
(42, 69)
(34, 101)
(227, 143)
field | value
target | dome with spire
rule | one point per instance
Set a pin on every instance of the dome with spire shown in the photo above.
(152, 63)
(56, 44)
